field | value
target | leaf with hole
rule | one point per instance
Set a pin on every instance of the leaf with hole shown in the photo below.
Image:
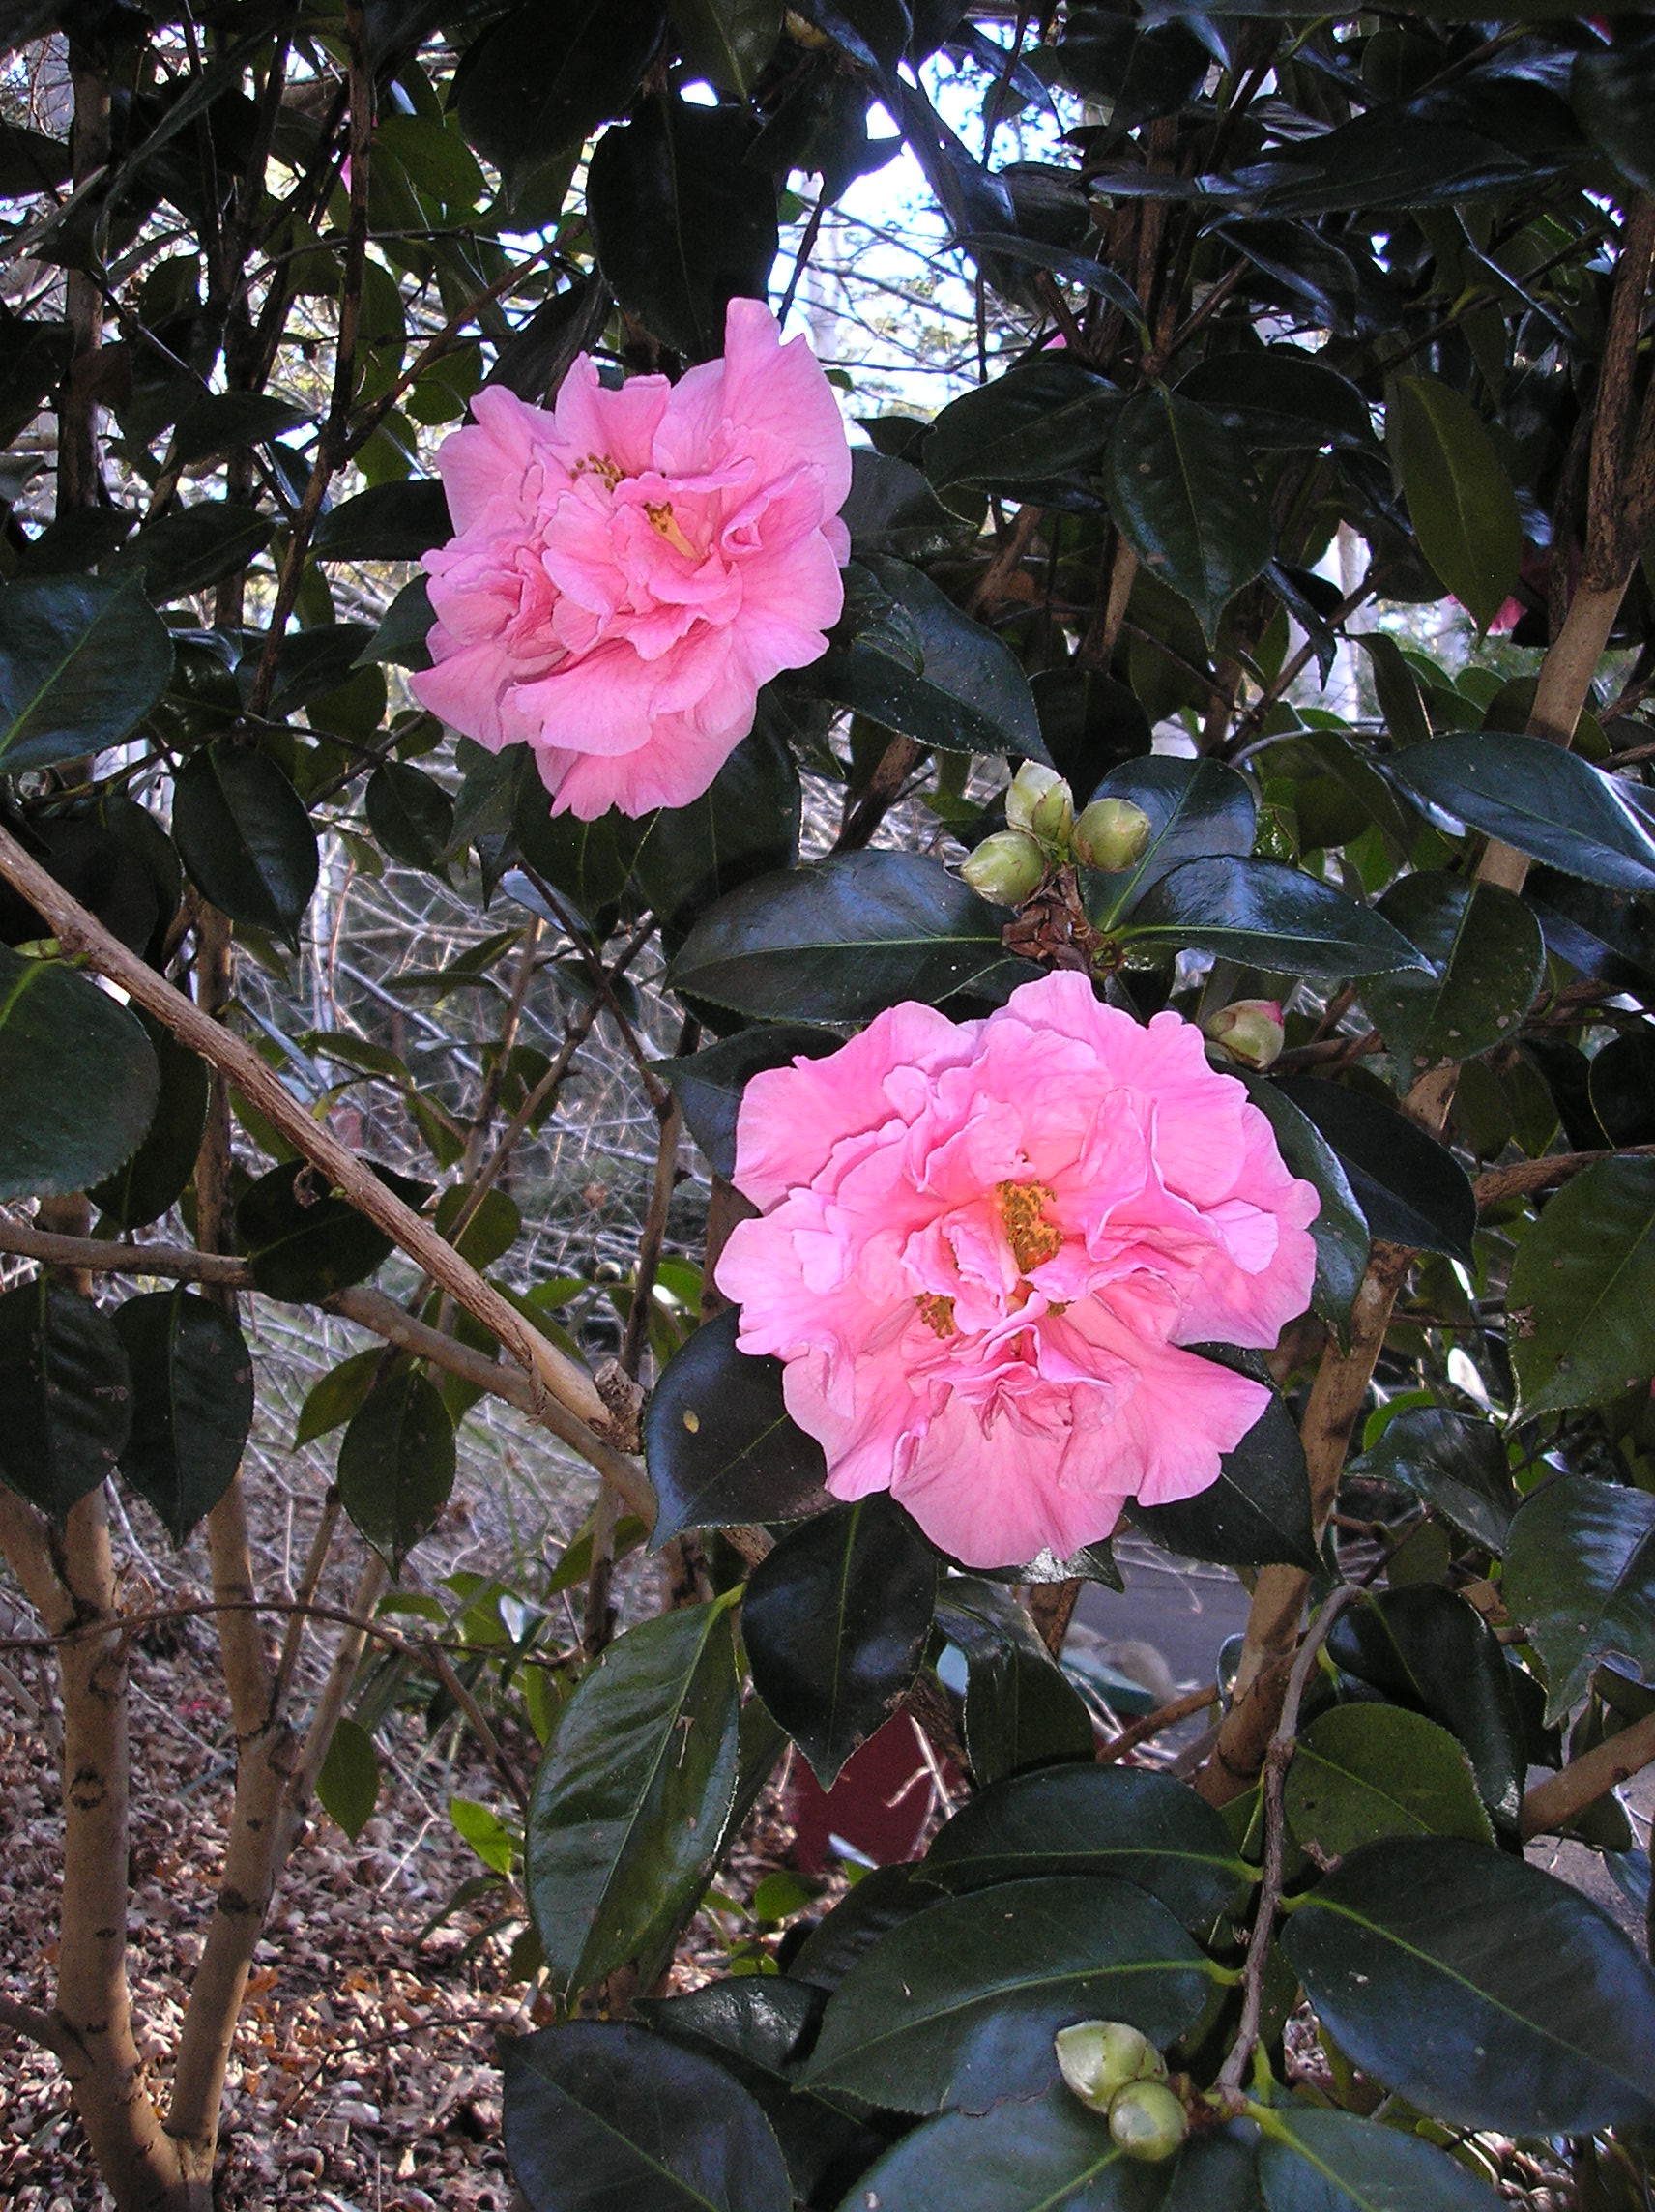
(1481, 1988)
(836, 1622)
(78, 1080)
(1130, 1822)
(67, 1390)
(632, 1795)
(193, 1403)
(958, 2005)
(719, 1442)
(1579, 1575)
(81, 664)
(1580, 1304)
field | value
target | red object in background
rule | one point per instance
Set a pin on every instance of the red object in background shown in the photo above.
(880, 1804)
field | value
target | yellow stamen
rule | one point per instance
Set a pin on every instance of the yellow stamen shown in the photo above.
(937, 1314)
(600, 465)
(665, 524)
(1033, 1241)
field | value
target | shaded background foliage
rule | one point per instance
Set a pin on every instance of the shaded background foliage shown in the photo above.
(1323, 538)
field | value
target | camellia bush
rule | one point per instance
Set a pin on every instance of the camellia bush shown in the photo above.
(1160, 1102)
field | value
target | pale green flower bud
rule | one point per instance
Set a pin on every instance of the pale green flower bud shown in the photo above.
(1250, 1031)
(1147, 2121)
(1096, 2057)
(1040, 800)
(1006, 867)
(1111, 834)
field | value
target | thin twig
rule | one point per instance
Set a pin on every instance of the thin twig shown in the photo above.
(1152, 1724)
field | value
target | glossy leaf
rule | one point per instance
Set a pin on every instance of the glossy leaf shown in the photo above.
(1539, 798)
(602, 2114)
(536, 85)
(1021, 1709)
(883, 1900)
(967, 694)
(1280, 397)
(840, 940)
(1257, 1514)
(958, 2006)
(1130, 1822)
(1362, 1772)
(160, 1170)
(745, 825)
(1038, 432)
(836, 1622)
(1180, 490)
(1580, 1306)
(410, 813)
(1579, 1575)
(1197, 809)
(1488, 960)
(303, 1242)
(386, 522)
(1091, 722)
(1423, 1648)
(192, 547)
(1266, 915)
(1480, 1988)
(78, 1079)
(1613, 92)
(1312, 2160)
(1049, 2154)
(81, 664)
(718, 1443)
(1458, 496)
(1411, 1189)
(1455, 1463)
(242, 833)
(630, 1802)
(682, 223)
(193, 1403)
(709, 1084)
(396, 1461)
(1340, 1230)
(67, 1390)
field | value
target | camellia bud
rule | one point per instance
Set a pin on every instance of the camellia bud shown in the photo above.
(1250, 1031)
(1040, 800)
(1111, 834)
(1147, 2121)
(1004, 868)
(1096, 2057)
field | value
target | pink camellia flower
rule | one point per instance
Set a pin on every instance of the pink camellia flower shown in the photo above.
(981, 1245)
(629, 568)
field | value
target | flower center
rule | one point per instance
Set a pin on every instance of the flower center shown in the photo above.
(600, 465)
(937, 1314)
(1033, 1238)
(665, 525)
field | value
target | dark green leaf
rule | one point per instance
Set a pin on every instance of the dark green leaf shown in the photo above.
(400, 638)
(1361, 1772)
(67, 1390)
(386, 522)
(193, 1403)
(958, 2006)
(1397, 689)
(709, 1084)
(1622, 1088)
(221, 421)
(968, 694)
(1458, 496)
(410, 813)
(536, 85)
(190, 547)
(841, 939)
(681, 225)
(78, 1082)
(1126, 1821)
(1340, 1230)
(836, 1622)
(1455, 1463)
(1426, 1649)
(1050, 2154)
(492, 1226)
(1534, 795)
(1038, 432)
(586, 863)
(1481, 1988)
(1580, 1306)
(244, 836)
(1180, 490)
(1281, 397)
(396, 1461)
(1613, 91)
(1021, 1709)
(728, 41)
(745, 825)
(1197, 809)
(1257, 1514)
(1579, 1575)
(304, 1244)
(1091, 724)
(1488, 961)
(1316, 2161)
(159, 1172)
(81, 664)
(1411, 1189)
(340, 1393)
(1266, 915)
(603, 2114)
(631, 1797)
(719, 1442)
(348, 1784)
(891, 509)
(883, 1900)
